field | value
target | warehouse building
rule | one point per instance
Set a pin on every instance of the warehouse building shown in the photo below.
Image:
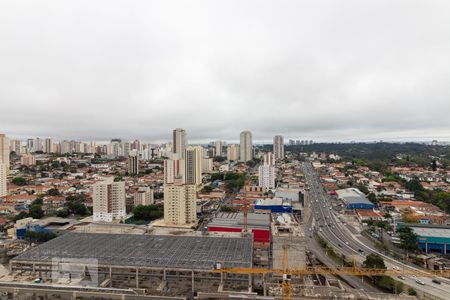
(158, 264)
(354, 199)
(274, 205)
(258, 224)
(431, 238)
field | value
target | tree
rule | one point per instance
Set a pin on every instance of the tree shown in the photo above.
(63, 213)
(374, 261)
(408, 239)
(219, 158)
(36, 211)
(148, 212)
(20, 181)
(208, 188)
(53, 192)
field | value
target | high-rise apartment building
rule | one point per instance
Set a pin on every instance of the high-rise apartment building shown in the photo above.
(174, 171)
(38, 145)
(143, 196)
(16, 146)
(193, 161)
(179, 142)
(180, 205)
(133, 163)
(267, 171)
(218, 146)
(278, 147)
(4, 151)
(233, 152)
(48, 146)
(109, 200)
(246, 146)
(3, 185)
(269, 159)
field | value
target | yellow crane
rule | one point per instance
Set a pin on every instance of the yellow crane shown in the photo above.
(287, 272)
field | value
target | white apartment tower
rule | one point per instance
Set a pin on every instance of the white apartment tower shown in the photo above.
(246, 146)
(180, 205)
(233, 152)
(267, 172)
(133, 163)
(193, 161)
(179, 142)
(278, 147)
(109, 200)
(4, 151)
(3, 185)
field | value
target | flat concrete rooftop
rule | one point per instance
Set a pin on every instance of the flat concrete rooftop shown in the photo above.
(152, 251)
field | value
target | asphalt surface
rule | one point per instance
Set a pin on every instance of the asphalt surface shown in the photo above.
(327, 224)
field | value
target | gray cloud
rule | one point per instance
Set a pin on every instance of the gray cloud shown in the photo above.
(326, 70)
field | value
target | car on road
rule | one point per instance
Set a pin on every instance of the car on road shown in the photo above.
(401, 277)
(418, 281)
(437, 281)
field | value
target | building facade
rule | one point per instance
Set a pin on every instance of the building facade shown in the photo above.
(4, 151)
(109, 200)
(218, 145)
(233, 152)
(180, 205)
(278, 147)
(143, 196)
(133, 163)
(179, 142)
(174, 171)
(193, 169)
(246, 146)
(3, 184)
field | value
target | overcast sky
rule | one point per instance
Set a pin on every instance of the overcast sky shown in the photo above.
(323, 70)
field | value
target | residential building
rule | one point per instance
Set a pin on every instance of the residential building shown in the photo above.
(179, 142)
(15, 145)
(3, 185)
(193, 169)
(48, 146)
(246, 146)
(269, 159)
(267, 176)
(4, 151)
(233, 152)
(143, 196)
(180, 205)
(133, 163)
(278, 147)
(38, 145)
(218, 145)
(174, 170)
(28, 160)
(109, 200)
(207, 165)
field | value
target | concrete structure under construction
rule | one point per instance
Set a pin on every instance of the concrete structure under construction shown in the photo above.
(154, 264)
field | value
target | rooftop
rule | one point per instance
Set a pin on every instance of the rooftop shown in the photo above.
(352, 195)
(224, 219)
(177, 252)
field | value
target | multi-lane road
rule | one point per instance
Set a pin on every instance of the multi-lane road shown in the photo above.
(333, 229)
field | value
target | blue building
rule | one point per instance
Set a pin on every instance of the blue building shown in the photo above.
(275, 205)
(433, 240)
(354, 199)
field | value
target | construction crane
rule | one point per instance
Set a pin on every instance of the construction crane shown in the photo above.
(287, 273)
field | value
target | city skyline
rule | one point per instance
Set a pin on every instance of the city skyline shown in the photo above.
(295, 69)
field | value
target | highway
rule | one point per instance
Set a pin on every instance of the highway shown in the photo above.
(327, 224)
